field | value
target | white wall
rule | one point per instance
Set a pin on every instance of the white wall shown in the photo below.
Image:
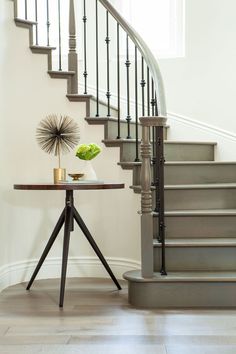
(201, 86)
(27, 95)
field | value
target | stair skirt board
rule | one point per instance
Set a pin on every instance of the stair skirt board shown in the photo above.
(182, 290)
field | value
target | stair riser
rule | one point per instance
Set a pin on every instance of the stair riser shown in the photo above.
(174, 152)
(196, 199)
(182, 294)
(102, 110)
(111, 130)
(194, 174)
(198, 226)
(197, 258)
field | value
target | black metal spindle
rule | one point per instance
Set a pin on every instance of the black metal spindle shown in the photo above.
(153, 99)
(85, 74)
(154, 156)
(118, 79)
(156, 106)
(107, 40)
(159, 167)
(59, 34)
(127, 63)
(48, 25)
(143, 84)
(136, 106)
(148, 92)
(97, 64)
(36, 20)
(26, 10)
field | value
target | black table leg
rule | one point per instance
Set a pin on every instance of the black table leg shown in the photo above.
(68, 228)
(48, 247)
(90, 239)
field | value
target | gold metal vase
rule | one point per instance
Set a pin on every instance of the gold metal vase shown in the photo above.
(59, 175)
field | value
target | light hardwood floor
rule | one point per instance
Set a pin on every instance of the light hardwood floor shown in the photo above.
(97, 319)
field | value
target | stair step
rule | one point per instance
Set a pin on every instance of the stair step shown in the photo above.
(183, 289)
(60, 74)
(191, 172)
(91, 103)
(197, 254)
(111, 127)
(198, 196)
(38, 49)
(199, 223)
(24, 23)
(174, 150)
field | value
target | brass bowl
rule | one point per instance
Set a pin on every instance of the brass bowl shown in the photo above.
(76, 176)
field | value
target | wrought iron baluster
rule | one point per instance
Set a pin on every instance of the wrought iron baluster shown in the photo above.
(107, 40)
(136, 107)
(118, 78)
(85, 74)
(127, 63)
(48, 25)
(143, 84)
(36, 20)
(26, 10)
(160, 202)
(154, 157)
(148, 91)
(97, 64)
(59, 34)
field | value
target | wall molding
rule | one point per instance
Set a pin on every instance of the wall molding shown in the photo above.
(201, 125)
(19, 272)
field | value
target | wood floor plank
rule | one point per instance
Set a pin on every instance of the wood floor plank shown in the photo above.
(97, 318)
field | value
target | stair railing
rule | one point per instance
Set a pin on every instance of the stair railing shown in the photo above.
(139, 85)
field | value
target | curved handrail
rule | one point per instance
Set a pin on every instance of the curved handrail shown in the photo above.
(146, 53)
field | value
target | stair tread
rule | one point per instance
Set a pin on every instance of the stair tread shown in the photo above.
(55, 72)
(21, 20)
(202, 212)
(197, 242)
(42, 47)
(180, 163)
(166, 142)
(183, 276)
(194, 186)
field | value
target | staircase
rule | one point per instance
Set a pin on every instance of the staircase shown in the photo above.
(197, 247)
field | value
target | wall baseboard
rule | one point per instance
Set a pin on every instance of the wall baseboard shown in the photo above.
(20, 272)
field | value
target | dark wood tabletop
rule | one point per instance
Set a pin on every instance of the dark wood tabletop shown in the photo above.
(70, 186)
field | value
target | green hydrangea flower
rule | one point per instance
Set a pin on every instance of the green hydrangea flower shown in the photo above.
(87, 152)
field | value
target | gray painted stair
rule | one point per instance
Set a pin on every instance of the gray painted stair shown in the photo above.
(200, 223)
(197, 254)
(90, 101)
(183, 289)
(198, 196)
(111, 129)
(190, 172)
(174, 150)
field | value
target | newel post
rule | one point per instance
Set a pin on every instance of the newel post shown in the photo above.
(72, 56)
(147, 263)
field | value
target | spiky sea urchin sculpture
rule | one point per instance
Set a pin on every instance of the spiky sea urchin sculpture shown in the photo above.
(57, 135)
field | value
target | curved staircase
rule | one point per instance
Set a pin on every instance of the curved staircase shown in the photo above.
(200, 198)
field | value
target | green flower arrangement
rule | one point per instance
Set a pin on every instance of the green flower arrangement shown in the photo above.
(87, 152)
